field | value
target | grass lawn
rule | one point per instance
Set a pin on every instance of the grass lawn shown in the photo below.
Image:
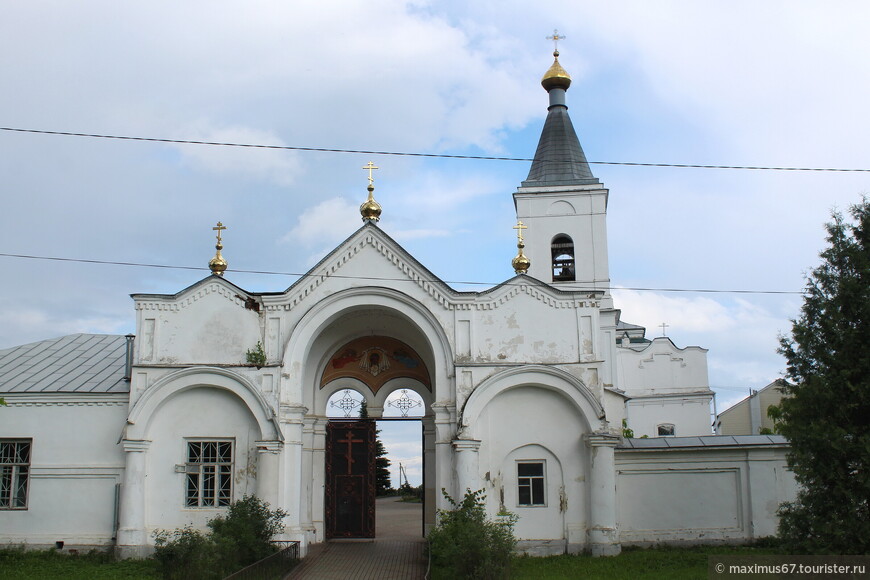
(631, 564)
(44, 565)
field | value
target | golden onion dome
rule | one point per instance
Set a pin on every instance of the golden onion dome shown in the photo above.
(521, 263)
(217, 265)
(370, 209)
(556, 77)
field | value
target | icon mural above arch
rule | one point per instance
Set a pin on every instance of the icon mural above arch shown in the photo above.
(374, 360)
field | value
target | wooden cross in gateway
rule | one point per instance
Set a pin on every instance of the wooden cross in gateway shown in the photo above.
(349, 453)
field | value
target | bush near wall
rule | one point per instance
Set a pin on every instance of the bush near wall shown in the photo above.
(465, 544)
(237, 539)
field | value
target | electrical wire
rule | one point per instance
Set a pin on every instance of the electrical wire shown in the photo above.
(429, 155)
(387, 279)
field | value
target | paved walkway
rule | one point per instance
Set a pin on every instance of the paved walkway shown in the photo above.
(397, 553)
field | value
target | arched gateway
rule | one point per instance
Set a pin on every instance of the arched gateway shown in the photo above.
(374, 341)
(373, 366)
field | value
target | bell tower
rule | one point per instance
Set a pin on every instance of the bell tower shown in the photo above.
(562, 203)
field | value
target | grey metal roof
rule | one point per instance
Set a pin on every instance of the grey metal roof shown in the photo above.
(708, 441)
(77, 363)
(559, 159)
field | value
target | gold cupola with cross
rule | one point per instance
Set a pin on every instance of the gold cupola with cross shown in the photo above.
(561, 202)
(218, 265)
(370, 210)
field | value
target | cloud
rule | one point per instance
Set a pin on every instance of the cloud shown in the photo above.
(279, 166)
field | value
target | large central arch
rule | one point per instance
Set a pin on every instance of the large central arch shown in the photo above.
(329, 325)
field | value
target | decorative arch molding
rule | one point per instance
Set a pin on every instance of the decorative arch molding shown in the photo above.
(541, 376)
(331, 308)
(208, 377)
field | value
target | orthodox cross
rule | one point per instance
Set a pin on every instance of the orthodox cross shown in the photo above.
(219, 228)
(556, 38)
(370, 166)
(664, 326)
(349, 453)
(519, 228)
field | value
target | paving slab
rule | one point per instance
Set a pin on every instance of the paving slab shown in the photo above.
(398, 551)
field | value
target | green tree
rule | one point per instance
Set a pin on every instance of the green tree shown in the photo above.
(383, 484)
(826, 413)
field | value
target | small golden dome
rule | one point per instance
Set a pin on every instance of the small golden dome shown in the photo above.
(556, 77)
(521, 263)
(370, 209)
(218, 265)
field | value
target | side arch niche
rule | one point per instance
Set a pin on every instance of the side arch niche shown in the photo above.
(552, 446)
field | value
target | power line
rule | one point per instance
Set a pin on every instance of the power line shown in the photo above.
(430, 155)
(382, 279)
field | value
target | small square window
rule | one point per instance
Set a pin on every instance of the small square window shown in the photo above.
(209, 474)
(666, 430)
(14, 473)
(531, 484)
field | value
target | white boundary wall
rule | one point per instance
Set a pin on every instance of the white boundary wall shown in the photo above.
(701, 489)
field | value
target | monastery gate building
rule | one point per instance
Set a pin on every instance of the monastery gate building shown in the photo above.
(526, 389)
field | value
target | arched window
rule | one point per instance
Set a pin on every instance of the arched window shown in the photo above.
(666, 430)
(562, 249)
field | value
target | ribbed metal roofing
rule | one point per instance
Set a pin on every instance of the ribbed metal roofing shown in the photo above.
(559, 159)
(707, 441)
(78, 363)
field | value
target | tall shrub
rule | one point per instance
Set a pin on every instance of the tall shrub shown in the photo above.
(465, 544)
(237, 539)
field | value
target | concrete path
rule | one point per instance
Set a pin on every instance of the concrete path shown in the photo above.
(397, 553)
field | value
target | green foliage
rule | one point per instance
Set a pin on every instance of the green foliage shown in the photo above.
(632, 564)
(243, 535)
(256, 356)
(825, 412)
(19, 563)
(411, 494)
(465, 544)
(626, 432)
(185, 549)
(237, 539)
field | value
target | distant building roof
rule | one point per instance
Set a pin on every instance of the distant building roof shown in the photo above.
(77, 363)
(706, 441)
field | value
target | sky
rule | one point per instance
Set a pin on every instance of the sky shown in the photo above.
(778, 83)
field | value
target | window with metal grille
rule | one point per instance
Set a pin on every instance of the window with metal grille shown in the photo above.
(209, 473)
(562, 250)
(14, 473)
(530, 483)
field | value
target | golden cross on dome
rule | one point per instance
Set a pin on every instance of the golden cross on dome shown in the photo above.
(519, 228)
(556, 38)
(219, 228)
(370, 166)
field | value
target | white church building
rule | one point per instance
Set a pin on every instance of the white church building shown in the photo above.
(528, 391)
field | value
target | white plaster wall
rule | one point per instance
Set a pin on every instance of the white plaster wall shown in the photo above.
(662, 368)
(75, 466)
(689, 415)
(535, 423)
(701, 495)
(207, 325)
(198, 413)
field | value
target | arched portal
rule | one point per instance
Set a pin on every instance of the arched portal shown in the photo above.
(340, 321)
(354, 472)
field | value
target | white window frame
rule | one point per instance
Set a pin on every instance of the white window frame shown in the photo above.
(673, 429)
(15, 458)
(208, 472)
(527, 481)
